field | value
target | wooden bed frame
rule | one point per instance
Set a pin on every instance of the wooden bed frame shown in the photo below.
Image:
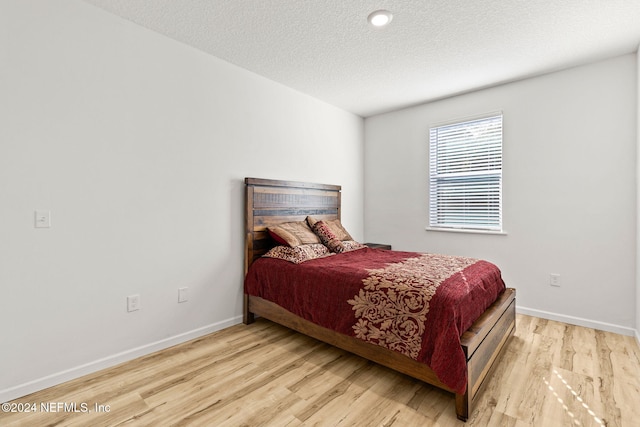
(270, 202)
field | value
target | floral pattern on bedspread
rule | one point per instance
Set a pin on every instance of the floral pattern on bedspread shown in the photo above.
(391, 309)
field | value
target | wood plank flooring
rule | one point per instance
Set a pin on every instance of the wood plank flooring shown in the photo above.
(551, 374)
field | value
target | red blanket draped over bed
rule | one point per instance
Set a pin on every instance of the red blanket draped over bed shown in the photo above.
(413, 303)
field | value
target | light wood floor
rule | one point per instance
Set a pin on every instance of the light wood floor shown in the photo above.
(551, 374)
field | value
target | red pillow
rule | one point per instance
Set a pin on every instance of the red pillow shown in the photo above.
(327, 237)
(277, 238)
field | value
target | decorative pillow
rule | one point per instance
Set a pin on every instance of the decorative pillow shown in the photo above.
(298, 254)
(335, 226)
(277, 238)
(352, 245)
(293, 234)
(327, 237)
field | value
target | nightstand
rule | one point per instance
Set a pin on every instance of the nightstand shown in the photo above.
(378, 246)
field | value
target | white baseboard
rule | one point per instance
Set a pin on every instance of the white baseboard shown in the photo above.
(578, 321)
(38, 384)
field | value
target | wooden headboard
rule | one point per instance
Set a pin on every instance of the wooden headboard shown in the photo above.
(270, 202)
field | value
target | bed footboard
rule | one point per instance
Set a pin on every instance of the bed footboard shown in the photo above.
(483, 343)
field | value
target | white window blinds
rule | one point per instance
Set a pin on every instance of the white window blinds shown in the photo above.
(465, 175)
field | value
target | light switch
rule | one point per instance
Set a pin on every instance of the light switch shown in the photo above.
(183, 294)
(43, 219)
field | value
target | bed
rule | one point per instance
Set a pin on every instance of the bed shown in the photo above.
(464, 359)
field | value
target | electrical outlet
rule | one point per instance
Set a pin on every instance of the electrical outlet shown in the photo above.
(42, 219)
(554, 280)
(133, 303)
(183, 294)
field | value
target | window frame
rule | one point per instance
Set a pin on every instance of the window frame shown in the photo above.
(453, 175)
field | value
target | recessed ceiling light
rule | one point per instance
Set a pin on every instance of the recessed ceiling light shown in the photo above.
(380, 18)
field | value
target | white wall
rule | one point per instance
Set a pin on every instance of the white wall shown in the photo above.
(139, 146)
(569, 189)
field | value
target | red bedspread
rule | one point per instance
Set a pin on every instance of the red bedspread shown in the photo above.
(413, 303)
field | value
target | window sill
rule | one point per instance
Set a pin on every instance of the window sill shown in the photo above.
(467, 230)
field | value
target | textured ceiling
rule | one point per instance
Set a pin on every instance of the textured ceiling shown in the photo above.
(431, 49)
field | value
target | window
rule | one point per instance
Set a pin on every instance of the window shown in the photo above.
(465, 175)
